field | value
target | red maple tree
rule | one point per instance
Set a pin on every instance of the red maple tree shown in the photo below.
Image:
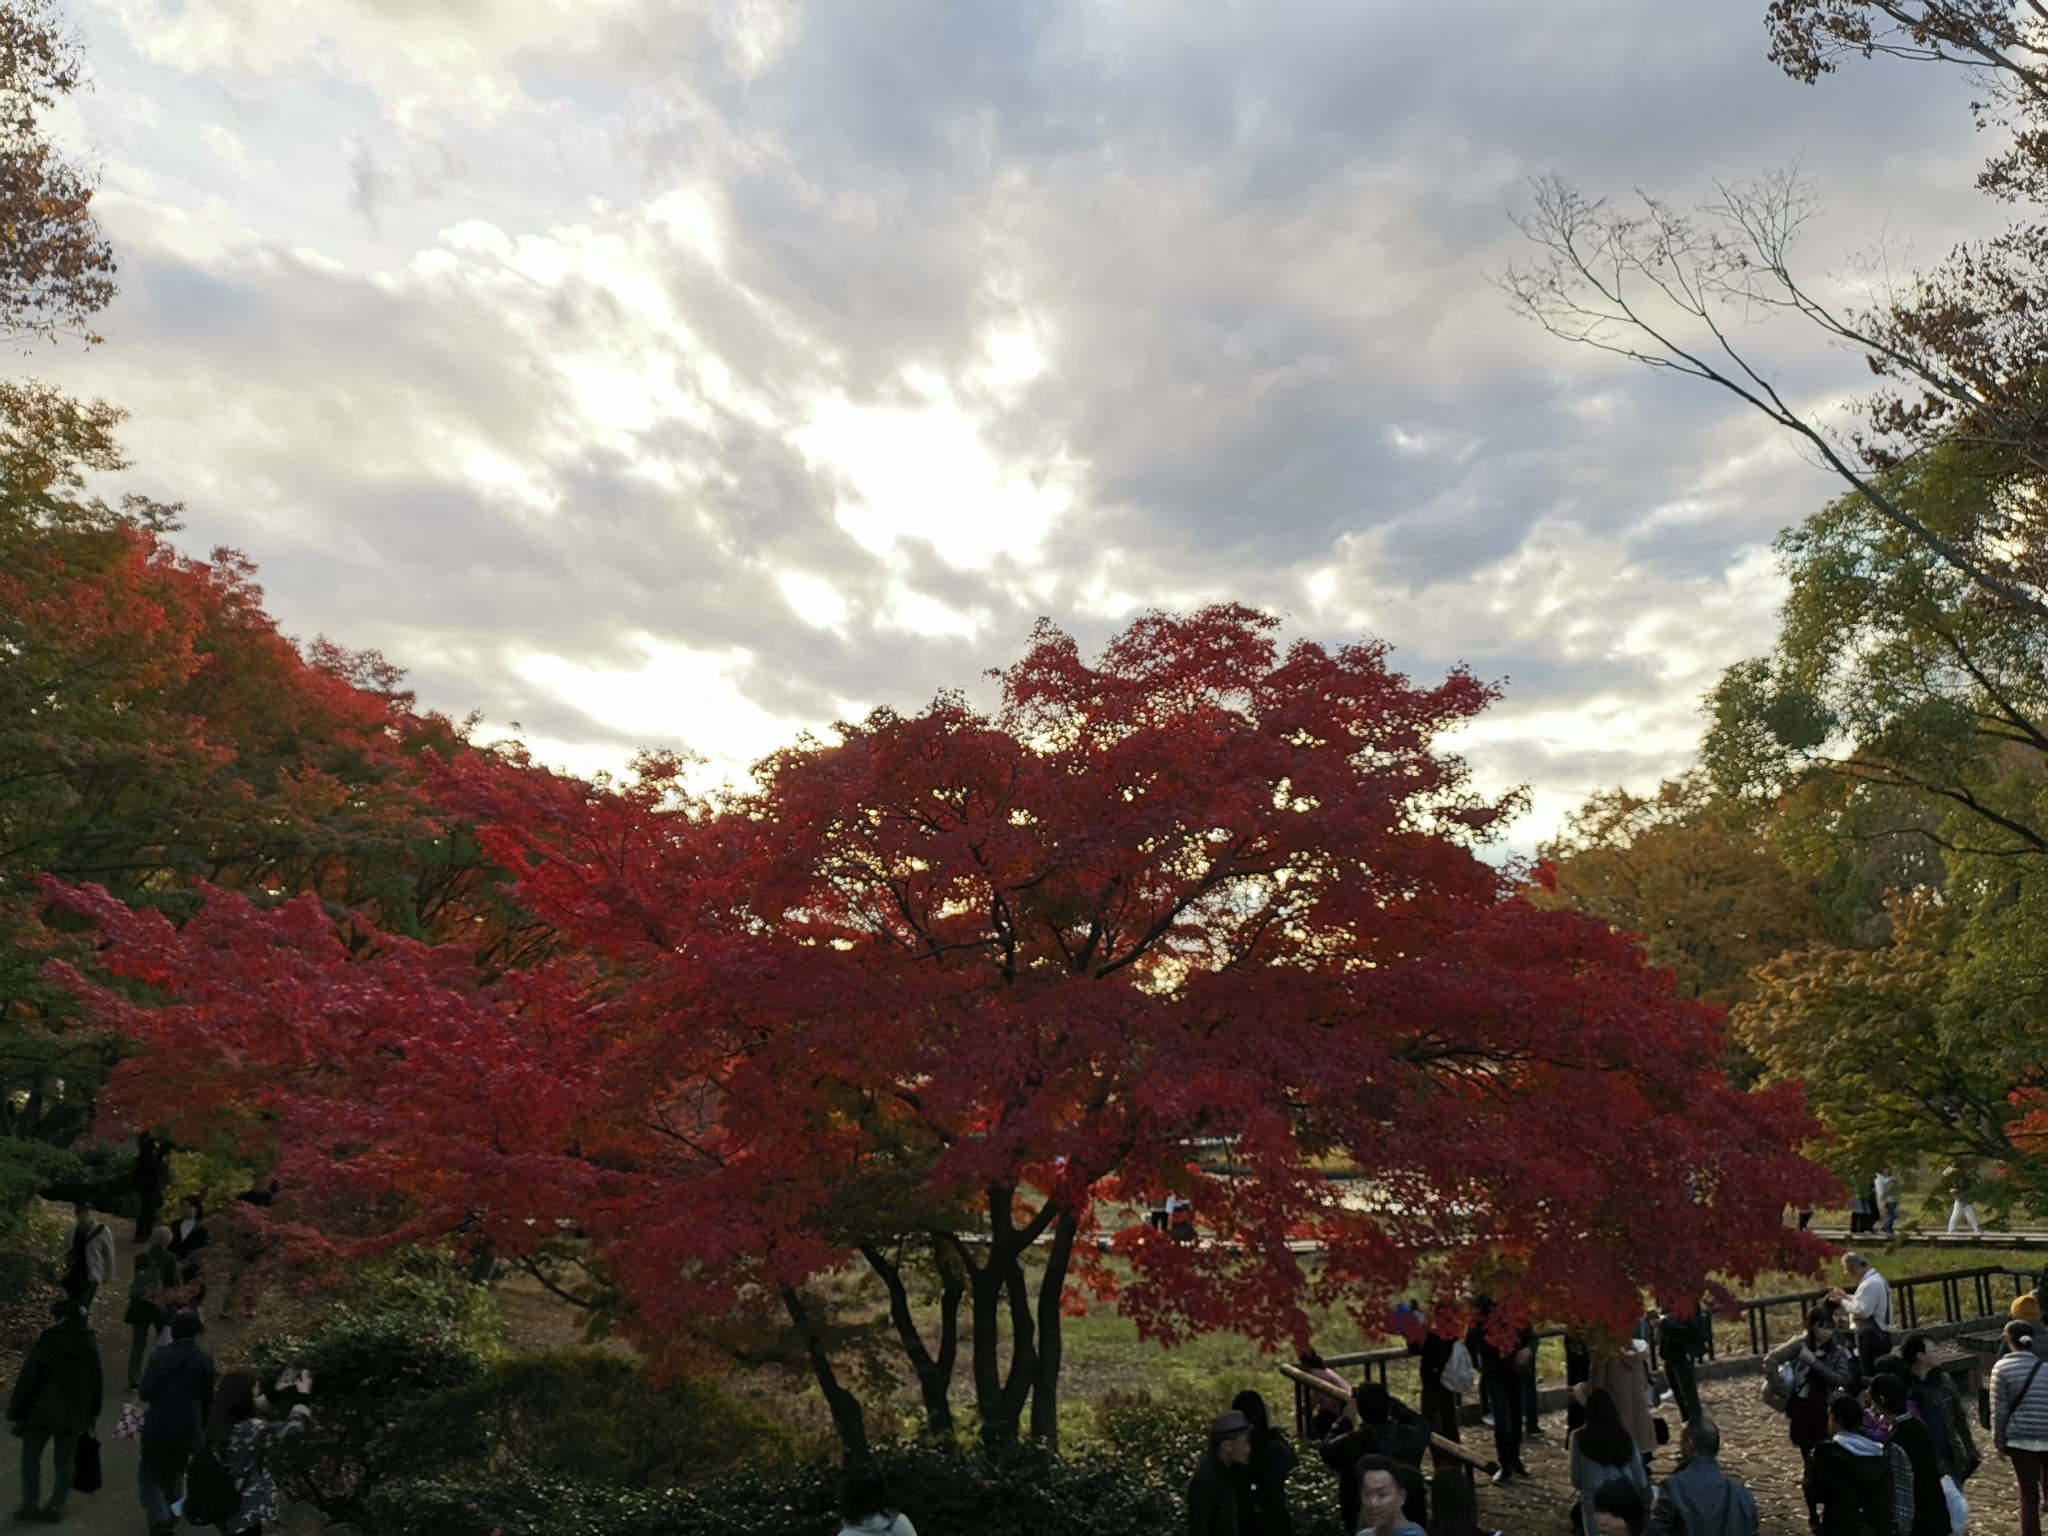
(949, 998)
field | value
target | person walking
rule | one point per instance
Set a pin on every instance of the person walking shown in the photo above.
(1212, 1491)
(865, 1507)
(88, 1257)
(1869, 1307)
(189, 1239)
(156, 1276)
(1851, 1477)
(1698, 1498)
(1885, 1189)
(1262, 1482)
(1948, 1418)
(57, 1398)
(1963, 1208)
(240, 1427)
(152, 1169)
(2019, 1420)
(1683, 1334)
(1602, 1451)
(1500, 1386)
(178, 1386)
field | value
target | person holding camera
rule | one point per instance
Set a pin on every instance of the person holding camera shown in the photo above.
(242, 1427)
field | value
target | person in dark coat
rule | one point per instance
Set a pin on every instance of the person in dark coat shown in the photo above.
(188, 1238)
(178, 1387)
(152, 1169)
(1212, 1495)
(156, 1275)
(1439, 1402)
(57, 1398)
(1262, 1481)
(1501, 1387)
(1683, 1333)
(1850, 1477)
(1374, 1424)
(1891, 1394)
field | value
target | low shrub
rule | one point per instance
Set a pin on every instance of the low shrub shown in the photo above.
(1025, 1492)
(594, 1416)
(410, 1329)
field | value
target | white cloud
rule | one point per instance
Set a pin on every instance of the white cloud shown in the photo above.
(693, 370)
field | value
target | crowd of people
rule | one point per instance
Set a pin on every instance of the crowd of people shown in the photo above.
(1883, 1432)
(1404, 1471)
(201, 1436)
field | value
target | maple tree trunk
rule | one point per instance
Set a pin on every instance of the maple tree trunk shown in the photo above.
(934, 1371)
(1045, 1375)
(847, 1419)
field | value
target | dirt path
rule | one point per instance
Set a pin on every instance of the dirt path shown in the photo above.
(116, 1510)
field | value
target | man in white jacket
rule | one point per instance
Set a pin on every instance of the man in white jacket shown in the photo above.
(1870, 1306)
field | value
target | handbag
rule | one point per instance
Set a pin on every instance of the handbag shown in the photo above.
(1458, 1376)
(212, 1495)
(129, 1425)
(1777, 1389)
(87, 1475)
(1958, 1506)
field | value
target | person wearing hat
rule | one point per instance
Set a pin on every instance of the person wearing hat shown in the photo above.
(1212, 1494)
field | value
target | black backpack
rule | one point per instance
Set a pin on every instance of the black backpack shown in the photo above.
(211, 1496)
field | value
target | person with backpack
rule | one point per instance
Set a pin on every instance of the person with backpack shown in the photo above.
(1924, 1512)
(56, 1401)
(1850, 1477)
(240, 1430)
(178, 1386)
(2019, 1421)
(88, 1257)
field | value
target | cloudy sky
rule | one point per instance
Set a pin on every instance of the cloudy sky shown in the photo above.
(695, 371)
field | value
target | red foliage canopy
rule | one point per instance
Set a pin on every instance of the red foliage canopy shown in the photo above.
(1201, 916)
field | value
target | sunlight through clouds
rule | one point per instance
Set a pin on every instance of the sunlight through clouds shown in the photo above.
(691, 371)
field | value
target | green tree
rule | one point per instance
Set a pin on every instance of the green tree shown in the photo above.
(1696, 875)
